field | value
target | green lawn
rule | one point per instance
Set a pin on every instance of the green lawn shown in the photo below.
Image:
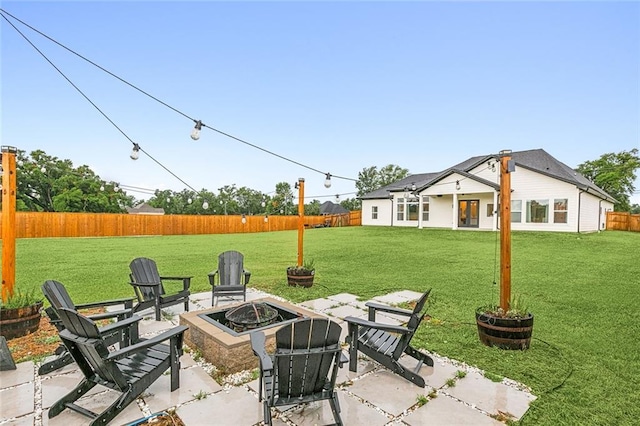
(583, 290)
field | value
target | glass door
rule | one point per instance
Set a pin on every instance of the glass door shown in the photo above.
(468, 213)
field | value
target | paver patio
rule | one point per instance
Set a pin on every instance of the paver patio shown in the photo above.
(371, 396)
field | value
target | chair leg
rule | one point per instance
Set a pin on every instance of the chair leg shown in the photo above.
(335, 408)
(353, 347)
(267, 413)
(186, 305)
(61, 360)
(116, 407)
(83, 387)
(419, 356)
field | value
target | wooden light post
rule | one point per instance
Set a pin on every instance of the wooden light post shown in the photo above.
(506, 167)
(8, 221)
(300, 187)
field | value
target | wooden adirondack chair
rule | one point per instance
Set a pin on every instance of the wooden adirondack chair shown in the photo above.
(148, 287)
(386, 343)
(122, 331)
(232, 277)
(129, 370)
(304, 366)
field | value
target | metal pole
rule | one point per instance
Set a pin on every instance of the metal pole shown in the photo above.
(8, 221)
(505, 230)
(300, 220)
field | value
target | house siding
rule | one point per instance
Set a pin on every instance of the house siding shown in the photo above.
(384, 212)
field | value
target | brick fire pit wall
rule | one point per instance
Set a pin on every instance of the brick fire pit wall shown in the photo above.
(228, 353)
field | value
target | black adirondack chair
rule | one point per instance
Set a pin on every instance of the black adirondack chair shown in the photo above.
(147, 284)
(121, 332)
(129, 370)
(232, 278)
(304, 366)
(386, 343)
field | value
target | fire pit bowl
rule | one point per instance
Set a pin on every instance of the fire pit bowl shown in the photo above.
(250, 316)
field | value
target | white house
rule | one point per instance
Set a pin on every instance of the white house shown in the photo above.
(546, 195)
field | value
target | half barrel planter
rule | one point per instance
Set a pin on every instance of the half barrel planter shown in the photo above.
(505, 333)
(300, 280)
(18, 322)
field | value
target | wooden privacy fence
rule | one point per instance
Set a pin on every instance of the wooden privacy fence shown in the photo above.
(623, 221)
(46, 224)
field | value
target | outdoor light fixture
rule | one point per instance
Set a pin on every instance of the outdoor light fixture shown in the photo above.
(406, 192)
(20, 163)
(458, 185)
(134, 152)
(43, 169)
(337, 198)
(101, 187)
(244, 219)
(296, 185)
(189, 200)
(413, 186)
(195, 133)
(492, 165)
(168, 200)
(116, 188)
(205, 205)
(327, 181)
(266, 218)
(263, 203)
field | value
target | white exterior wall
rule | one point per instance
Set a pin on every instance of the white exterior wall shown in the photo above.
(384, 212)
(594, 216)
(528, 185)
(440, 214)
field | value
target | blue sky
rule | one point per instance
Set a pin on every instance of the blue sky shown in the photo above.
(336, 86)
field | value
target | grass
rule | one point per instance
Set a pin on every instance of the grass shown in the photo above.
(582, 290)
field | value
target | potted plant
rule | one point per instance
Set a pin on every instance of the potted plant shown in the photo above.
(510, 329)
(301, 275)
(20, 314)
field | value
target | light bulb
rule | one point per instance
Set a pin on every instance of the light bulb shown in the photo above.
(195, 133)
(134, 152)
(244, 219)
(43, 169)
(20, 163)
(263, 204)
(189, 200)
(266, 218)
(101, 187)
(337, 198)
(327, 181)
(458, 185)
(116, 188)
(205, 205)
(168, 200)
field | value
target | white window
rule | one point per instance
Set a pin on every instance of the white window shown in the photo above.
(538, 211)
(490, 210)
(516, 211)
(425, 208)
(400, 209)
(374, 212)
(560, 210)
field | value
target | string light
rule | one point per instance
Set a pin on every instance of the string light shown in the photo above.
(327, 181)
(266, 218)
(195, 133)
(135, 154)
(205, 205)
(458, 185)
(244, 219)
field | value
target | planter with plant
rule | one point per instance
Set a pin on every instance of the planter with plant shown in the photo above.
(301, 275)
(20, 314)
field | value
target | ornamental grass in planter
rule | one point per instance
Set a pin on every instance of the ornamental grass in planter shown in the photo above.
(301, 275)
(20, 314)
(511, 329)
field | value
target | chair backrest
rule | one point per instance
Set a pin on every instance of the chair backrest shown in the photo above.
(87, 347)
(230, 267)
(305, 352)
(58, 297)
(412, 325)
(145, 270)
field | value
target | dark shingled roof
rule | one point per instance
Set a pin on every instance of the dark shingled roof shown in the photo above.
(537, 160)
(329, 207)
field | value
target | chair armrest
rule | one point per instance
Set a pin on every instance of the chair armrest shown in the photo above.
(128, 322)
(127, 302)
(258, 347)
(387, 308)
(212, 277)
(114, 314)
(124, 352)
(353, 321)
(247, 276)
(186, 280)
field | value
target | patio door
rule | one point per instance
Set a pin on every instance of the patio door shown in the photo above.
(468, 213)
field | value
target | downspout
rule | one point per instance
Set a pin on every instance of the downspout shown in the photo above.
(391, 199)
(579, 203)
(599, 214)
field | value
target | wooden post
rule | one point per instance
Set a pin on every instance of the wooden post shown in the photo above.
(8, 221)
(300, 220)
(505, 229)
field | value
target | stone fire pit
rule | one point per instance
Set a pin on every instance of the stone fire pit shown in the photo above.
(227, 349)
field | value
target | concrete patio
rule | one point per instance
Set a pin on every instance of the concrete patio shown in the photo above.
(373, 396)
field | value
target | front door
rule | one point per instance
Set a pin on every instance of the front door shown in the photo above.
(468, 213)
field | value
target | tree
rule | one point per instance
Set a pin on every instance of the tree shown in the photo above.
(351, 204)
(46, 183)
(615, 174)
(370, 178)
